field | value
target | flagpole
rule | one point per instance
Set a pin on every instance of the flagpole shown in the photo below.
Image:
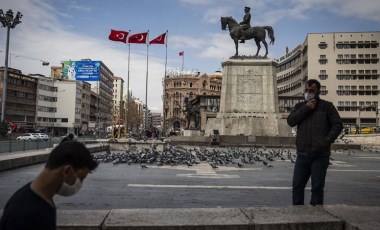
(126, 126)
(146, 85)
(164, 94)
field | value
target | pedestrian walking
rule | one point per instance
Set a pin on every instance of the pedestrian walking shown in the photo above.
(32, 206)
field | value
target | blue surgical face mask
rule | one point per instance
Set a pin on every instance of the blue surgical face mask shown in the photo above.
(309, 96)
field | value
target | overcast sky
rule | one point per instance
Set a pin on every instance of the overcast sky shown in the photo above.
(59, 30)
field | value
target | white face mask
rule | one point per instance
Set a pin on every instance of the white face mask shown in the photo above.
(309, 96)
(69, 190)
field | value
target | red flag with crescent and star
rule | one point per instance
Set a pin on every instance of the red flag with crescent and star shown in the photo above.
(118, 36)
(158, 40)
(138, 38)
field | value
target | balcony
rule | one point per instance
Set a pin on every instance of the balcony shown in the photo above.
(361, 92)
(360, 44)
(323, 76)
(324, 92)
(304, 61)
(357, 60)
(322, 45)
(360, 76)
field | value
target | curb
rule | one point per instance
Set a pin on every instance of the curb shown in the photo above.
(331, 217)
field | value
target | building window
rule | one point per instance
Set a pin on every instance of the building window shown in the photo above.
(323, 90)
(374, 59)
(340, 105)
(322, 75)
(204, 84)
(340, 90)
(322, 45)
(322, 59)
(339, 45)
(347, 90)
(374, 44)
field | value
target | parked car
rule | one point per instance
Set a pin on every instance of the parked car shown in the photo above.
(28, 137)
(42, 136)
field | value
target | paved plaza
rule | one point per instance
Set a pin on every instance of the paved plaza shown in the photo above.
(352, 179)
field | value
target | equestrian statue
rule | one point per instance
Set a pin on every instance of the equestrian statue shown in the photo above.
(243, 31)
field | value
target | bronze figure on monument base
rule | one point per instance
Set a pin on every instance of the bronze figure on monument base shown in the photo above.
(192, 112)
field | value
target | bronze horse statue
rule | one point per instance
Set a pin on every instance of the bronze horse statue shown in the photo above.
(256, 32)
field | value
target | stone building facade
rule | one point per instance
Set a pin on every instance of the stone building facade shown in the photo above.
(180, 85)
(21, 99)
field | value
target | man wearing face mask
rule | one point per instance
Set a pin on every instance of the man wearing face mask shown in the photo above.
(32, 206)
(318, 125)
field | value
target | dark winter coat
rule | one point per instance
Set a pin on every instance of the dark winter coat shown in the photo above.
(317, 128)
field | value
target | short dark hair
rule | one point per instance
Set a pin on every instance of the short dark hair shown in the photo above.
(72, 153)
(310, 82)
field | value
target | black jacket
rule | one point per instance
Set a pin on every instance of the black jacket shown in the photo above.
(317, 128)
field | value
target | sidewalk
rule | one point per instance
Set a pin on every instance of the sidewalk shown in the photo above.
(20, 158)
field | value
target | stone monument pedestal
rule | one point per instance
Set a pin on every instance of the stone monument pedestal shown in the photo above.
(191, 132)
(249, 100)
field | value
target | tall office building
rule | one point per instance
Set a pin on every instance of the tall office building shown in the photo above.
(118, 100)
(98, 114)
(346, 64)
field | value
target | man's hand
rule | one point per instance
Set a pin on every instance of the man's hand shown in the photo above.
(312, 103)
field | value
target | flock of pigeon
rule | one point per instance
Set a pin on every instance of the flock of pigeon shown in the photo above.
(179, 155)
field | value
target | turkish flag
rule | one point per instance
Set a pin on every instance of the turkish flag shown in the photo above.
(138, 38)
(182, 53)
(118, 36)
(159, 40)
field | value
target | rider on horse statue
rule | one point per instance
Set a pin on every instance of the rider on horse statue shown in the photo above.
(246, 23)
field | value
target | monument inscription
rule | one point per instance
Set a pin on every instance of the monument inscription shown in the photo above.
(249, 84)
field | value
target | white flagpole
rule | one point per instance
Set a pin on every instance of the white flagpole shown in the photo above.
(126, 126)
(164, 94)
(146, 85)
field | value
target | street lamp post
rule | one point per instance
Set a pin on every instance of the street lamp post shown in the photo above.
(8, 21)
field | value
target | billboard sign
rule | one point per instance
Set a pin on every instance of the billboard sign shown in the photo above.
(81, 70)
